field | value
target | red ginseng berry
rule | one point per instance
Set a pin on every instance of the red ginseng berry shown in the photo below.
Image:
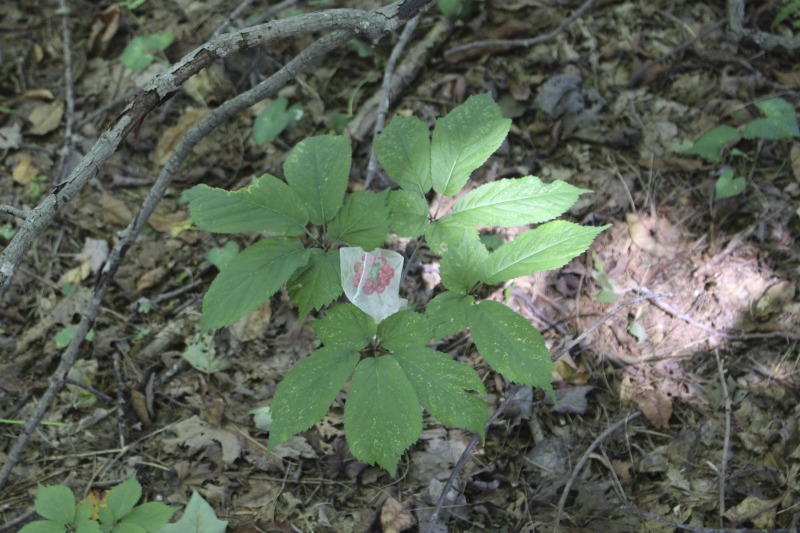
(383, 279)
(380, 288)
(369, 287)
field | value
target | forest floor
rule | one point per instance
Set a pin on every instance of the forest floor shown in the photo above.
(681, 322)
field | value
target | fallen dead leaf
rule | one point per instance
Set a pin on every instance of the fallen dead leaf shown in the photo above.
(197, 435)
(395, 517)
(75, 275)
(95, 251)
(794, 156)
(643, 237)
(10, 136)
(760, 512)
(115, 211)
(655, 406)
(104, 28)
(172, 135)
(39, 94)
(253, 325)
(24, 171)
(46, 118)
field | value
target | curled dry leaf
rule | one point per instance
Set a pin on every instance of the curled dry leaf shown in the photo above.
(104, 28)
(46, 118)
(395, 517)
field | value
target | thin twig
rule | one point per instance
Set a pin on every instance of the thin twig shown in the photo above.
(637, 76)
(708, 329)
(766, 41)
(584, 458)
(386, 89)
(228, 21)
(434, 519)
(507, 44)
(66, 149)
(101, 395)
(16, 211)
(577, 340)
(121, 424)
(723, 467)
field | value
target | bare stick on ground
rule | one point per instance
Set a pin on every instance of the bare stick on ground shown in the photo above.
(723, 467)
(386, 89)
(509, 44)
(66, 150)
(584, 458)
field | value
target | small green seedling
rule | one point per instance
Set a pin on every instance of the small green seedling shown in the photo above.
(36, 186)
(64, 336)
(790, 13)
(326, 241)
(273, 119)
(119, 513)
(778, 123)
(143, 50)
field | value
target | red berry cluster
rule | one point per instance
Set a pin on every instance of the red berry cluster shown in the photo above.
(378, 274)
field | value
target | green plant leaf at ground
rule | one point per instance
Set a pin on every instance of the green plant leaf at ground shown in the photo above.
(304, 396)
(55, 503)
(463, 140)
(511, 345)
(403, 329)
(198, 517)
(250, 279)
(408, 213)
(273, 119)
(141, 51)
(362, 221)
(441, 385)
(728, 186)
(710, 145)
(124, 497)
(268, 204)
(382, 416)
(551, 245)
(150, 516)
(318, 169)
(317, 283)
(345, 325)
(779, 121)
(447, 312)
(461, 267)
(404, 150)
(515, 202)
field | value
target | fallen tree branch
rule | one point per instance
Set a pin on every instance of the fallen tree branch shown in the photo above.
(764, 40)
(390, 18)
(372, 24)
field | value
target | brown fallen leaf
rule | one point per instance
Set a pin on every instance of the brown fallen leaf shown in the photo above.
(655, 406)
(24, 171)
(644, 239)
(115, 211)
(104, 28)
(794, 156)
(39, 94)
(46, 118)
(396, 517)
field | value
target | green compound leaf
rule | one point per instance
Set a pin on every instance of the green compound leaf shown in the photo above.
(402, 329)
(316, 284)
(551, 245)
(83, 520)
(307, 391)
(318, 169)
(150, 516)
(408, 213)
(382, 416)
(198, 517)
(250, 279)
(345, 325)
(463, 140)
(273, 119)
(443, 231)
(779, 121)
(447, 313)
(511, 345)
(124, 497)
(140, 52)
(710, 145)
(44, 526)
(56, 503)
(363, 220)
(404, 150)
(728, 186)
(267, 205)
(462, 265)
(441, 384)
(515, 202)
